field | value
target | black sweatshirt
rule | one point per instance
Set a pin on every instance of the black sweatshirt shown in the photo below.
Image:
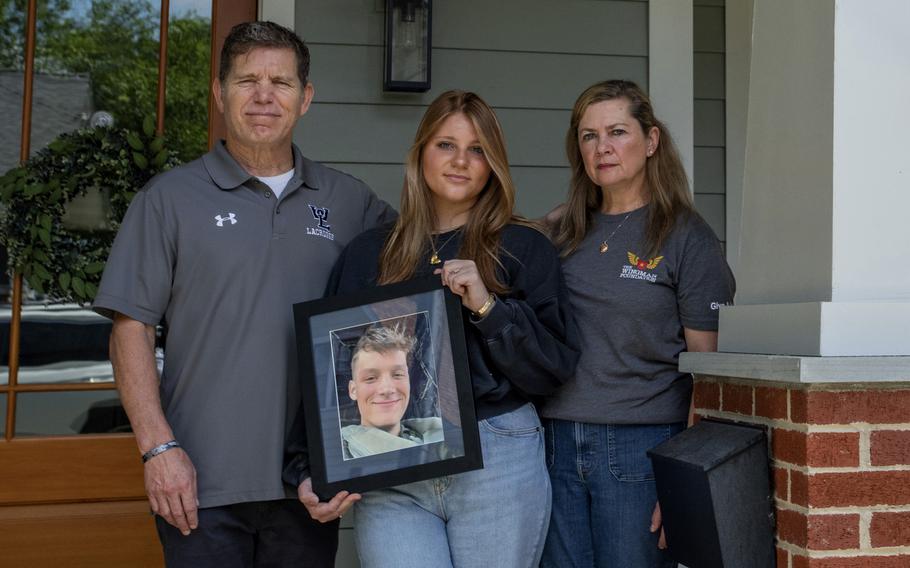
(525, 347)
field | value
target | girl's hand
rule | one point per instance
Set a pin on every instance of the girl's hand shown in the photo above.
(463, 279)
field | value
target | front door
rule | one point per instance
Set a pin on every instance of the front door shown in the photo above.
(71, 487)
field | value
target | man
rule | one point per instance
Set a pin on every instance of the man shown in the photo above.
(219, 249)
(381, 386)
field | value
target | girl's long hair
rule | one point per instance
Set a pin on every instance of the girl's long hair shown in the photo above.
(410, 239)
(666, 185)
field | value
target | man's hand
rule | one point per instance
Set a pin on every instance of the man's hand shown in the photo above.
(170, 482)
(657, 523)
(325, 512)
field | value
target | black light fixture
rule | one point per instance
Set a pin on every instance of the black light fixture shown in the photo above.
(407, 45)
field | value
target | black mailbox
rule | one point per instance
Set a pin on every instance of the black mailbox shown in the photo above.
(715, 496)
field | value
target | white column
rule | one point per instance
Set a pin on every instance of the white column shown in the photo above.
(671, 85)
(824, 264)
(738, 55)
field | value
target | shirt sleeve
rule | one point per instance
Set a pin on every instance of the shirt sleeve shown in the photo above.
(296, 455)
(333, 285)
(531, 335)
(139, 271)
(376, 212)
(705, 281)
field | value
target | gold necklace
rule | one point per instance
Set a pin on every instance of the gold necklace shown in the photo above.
(605, 246)
(435, 258)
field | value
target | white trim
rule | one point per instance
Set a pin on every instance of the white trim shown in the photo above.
(738, 62)
(671, 84)
(789, 369)
(826, 329)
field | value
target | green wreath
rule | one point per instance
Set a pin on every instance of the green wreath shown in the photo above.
(57, 260)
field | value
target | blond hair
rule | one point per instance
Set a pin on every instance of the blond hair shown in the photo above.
(410, 239)
(382, 339)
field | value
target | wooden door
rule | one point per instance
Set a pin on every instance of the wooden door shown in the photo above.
(71, 486)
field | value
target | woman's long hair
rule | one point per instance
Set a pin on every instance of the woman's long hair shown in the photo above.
(410, 239)
(666, 185)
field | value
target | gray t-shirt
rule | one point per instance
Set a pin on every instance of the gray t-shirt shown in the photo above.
(631, 310)
(208, 248)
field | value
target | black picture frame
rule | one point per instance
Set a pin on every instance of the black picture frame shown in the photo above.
(438, 425)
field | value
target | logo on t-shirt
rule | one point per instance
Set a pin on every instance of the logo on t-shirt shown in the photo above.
(639, 268)
(322, 228)
(220, 221)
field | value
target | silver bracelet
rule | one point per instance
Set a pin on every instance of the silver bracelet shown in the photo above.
(159, 450)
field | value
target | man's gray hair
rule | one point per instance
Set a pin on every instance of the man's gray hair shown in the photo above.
(247, 36)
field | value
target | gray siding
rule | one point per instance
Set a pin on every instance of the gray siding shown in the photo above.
(529, 59)
(710, 108)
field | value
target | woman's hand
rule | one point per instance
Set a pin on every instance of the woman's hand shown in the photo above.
(463, 279)
(657, 523)
(325, 511)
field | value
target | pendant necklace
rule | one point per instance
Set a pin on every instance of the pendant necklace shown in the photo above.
(605, 246)
(435, 258)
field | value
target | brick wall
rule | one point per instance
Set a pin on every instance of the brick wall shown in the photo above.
(841, 466)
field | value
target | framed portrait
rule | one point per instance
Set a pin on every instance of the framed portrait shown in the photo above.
(387, 393)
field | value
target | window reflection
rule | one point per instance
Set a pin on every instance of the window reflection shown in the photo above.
(2, 414)
(94, 55)
(12, 52)
(64, 413)
(61, 343)
(90, 55)
(12, 65)
(188, 53)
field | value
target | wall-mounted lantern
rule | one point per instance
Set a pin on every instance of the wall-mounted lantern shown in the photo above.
(407, 45)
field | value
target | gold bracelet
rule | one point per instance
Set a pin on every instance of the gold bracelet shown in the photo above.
(482, 311)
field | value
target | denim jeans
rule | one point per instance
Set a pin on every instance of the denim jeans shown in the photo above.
(495, 517)
(603, 495)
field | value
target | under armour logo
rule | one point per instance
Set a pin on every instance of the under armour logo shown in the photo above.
(321, 214)
(230, 217)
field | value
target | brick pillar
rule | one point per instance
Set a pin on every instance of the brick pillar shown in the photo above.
(841, 466)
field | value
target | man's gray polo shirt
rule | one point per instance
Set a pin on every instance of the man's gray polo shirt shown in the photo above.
(210, 251)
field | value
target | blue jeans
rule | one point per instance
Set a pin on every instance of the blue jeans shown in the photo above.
(489, 518)
(603, 495)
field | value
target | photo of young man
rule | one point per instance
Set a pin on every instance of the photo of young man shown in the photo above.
(380, 385)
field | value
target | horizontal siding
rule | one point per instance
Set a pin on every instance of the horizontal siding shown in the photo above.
(710, 108)
(382, 134)
(537, 189)
(568, 26)
(709, 123)
(709, 76)
(713, 208)
(503, 79)
(709, 28)
(710, 170)
(529, 59)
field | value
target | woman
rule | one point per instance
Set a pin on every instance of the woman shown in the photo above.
(645, 275)
(456, 221)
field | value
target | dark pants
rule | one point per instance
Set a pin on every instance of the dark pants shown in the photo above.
(247, 535)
